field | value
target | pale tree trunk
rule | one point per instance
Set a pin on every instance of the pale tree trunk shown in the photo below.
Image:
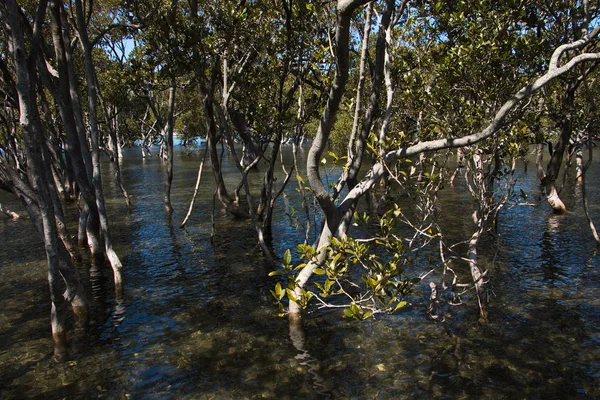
(480, 192)
(389, 88)
(8, 212)
(459, 165)
(584, 169)
(356, 145)
(539, 161)
(371, 113)
(361, 79)
(477, 272)
(196, 187)
(382, 69)
(144, 133)
(59, 266)
(480, 185)
(76, 144)
(250, 150)
(115, 147)
(94, 225)
(244, 176)
(553, 168)
(166, 131)
(331, 212)
(378, 170)
(294, 309)
(584, 190)
(579, 164)
(112, 256)
(61, 227)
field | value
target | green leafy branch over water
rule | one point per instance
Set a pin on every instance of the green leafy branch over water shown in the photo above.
(362, 276)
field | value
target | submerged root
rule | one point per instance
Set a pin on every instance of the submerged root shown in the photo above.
(554, 200)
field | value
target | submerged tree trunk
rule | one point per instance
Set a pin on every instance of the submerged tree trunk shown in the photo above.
(42, 213)
(584, 192)
(584, 167)
(553, 168)
(212, 139)
(65, 94)
(539, 161)
(8, 212)
(477, 273)
(112, 256)
(169, 143)
(114, 147)
(196, 187)
(332, 212)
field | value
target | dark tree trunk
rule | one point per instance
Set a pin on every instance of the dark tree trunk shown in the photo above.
(169, 144)
(251, 150)
(212, 139)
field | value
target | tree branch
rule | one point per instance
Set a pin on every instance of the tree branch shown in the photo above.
(499, 120)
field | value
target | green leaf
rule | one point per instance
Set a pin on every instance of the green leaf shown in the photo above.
(290, 295)
(400, 305)
(287, 257)
(275, 273)
(319, 271)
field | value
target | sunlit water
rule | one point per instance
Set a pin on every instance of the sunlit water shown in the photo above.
(197, 319)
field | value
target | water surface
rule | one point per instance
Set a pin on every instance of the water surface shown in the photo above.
(197, 319)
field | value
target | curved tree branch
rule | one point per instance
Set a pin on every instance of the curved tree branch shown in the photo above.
(497, 122)
(345, 10)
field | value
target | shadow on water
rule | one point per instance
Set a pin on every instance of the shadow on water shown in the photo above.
(196, 319)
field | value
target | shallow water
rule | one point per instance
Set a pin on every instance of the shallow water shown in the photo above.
(197, 320)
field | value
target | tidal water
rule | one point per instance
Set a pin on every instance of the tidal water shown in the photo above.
(197, 320)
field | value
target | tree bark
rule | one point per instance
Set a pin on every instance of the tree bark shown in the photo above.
(212, 139)
(196, 187)
(59, 266)
(361, 80)
(76, 145)
(169, 142)
(477, 273)
(498, 121)
(342, 36)
(114, 146)
(251, 150)
(111, 254)
(378, 170)
(539, 161)
(553, 168)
